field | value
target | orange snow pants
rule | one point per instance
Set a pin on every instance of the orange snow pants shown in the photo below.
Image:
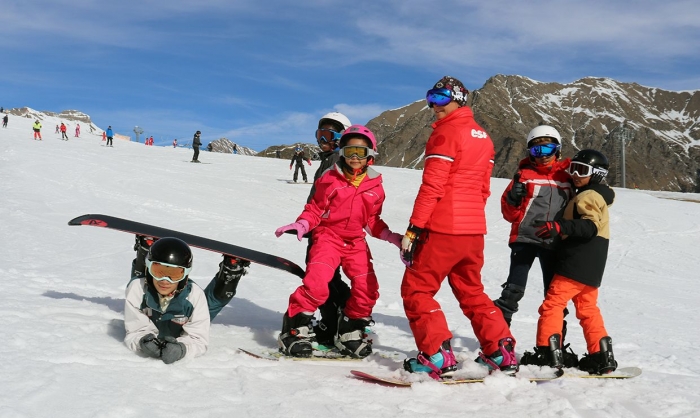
(460, 259)
(585, 299)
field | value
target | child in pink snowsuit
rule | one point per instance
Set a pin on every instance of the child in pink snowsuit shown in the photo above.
(347, 203)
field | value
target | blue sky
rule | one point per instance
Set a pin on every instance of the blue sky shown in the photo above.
(262, 72)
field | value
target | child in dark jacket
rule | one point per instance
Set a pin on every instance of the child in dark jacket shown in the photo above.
(584, 236)
(330, 128)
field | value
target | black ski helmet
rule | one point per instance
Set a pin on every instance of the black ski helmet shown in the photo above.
(171, 250)
(595, 159)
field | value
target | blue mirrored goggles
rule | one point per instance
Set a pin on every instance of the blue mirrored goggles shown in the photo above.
(440, 97)
(327, 136)
(169, 272)
(544, 150)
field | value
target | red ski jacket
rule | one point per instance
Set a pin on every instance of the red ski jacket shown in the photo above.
(457, 177)
(548, 191)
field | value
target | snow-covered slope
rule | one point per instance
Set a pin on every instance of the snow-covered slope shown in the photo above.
(62, 301)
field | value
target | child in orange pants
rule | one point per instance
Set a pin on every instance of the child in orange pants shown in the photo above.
(583, 236)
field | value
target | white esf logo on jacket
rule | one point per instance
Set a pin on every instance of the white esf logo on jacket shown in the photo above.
(476, 133)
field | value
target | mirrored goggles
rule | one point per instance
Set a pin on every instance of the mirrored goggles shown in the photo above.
(585, 170)
(544, 150)
(327, 135)
(356, 151)
(440, 97)
(169, 272)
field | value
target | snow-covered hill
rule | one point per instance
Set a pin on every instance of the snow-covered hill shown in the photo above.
(62, 301)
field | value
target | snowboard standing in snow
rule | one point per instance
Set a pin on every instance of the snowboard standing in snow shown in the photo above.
(138, 228)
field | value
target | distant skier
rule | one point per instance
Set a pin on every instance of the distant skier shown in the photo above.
(347, 205)
(175, 143)
(37, 130)
(77, 131)
(299, 159)
(5, 119)
(166, 315)
(104, 135)
(584, 237)
(58, 129)
(235, 149)
(64, 136)
(196, 143)
(110, 135)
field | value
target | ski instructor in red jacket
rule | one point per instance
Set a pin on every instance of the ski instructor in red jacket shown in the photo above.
(445, 238)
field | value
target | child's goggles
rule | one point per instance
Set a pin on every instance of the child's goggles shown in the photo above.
(169, 272)
(585, 170)
(439, 97)
(327, 135)
(357, 151)
(544, 150)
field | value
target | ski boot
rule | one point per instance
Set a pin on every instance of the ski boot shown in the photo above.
(602, 362)
(438, 366)
(141, 246)
(551, 355)
(297, 337)
(502, 359)
(231, 269)
(351, 337)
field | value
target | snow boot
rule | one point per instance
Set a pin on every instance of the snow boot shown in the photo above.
(508, 302)
(602, 362)
(551, 355)
(297, 337)
(327, 327)
(351, 338)
(231, 269)
(141, 246)
(502, 359)
(440, 365)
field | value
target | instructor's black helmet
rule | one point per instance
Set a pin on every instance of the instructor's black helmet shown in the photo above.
(595, 159)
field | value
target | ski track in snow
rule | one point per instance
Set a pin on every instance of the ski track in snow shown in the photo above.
(62, 303)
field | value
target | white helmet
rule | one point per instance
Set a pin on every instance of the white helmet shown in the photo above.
(337, 118)
(543, 131)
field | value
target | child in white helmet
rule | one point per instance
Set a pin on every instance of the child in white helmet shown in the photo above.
(540, 190)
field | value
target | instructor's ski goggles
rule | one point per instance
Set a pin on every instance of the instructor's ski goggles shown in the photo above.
(168, 272)
(327, 135)
(357, 151)
(585, 170)
(440, 97)
(544, 150)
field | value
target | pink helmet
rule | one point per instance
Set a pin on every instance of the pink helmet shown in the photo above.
(358, 130)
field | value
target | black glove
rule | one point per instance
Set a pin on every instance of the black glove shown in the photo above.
(517, 192)
(150, 345)
(409, 243)
(547, 229)
(172, 350)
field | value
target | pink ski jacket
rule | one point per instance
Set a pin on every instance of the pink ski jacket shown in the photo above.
(343, 209)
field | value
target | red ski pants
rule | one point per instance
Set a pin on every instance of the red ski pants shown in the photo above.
(328, 252)
(585, 299)
(460, 259)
